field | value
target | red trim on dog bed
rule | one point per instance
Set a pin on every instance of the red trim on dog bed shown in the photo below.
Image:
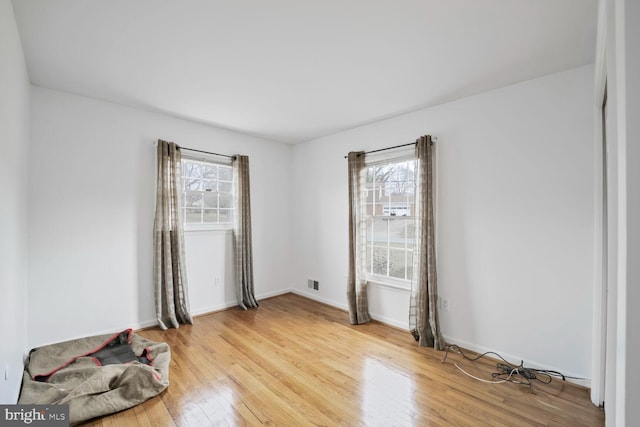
(73, 359)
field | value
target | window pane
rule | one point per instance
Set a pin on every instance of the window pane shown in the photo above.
(369, 176)
(381, 173)
(411, 202)
(209, 185)
(224, 187)
(379, 260)
(411, 170)
(411, 233)
(373, 194)
(226, 216)
(224, 173)
(368, 260)
(210, 200)
(210, 171)
(370, 209)
(192, 184)
(191, 169)
(409, 265)
(400, 209)
(193, 215)
(369, 234)
(382, 208)
(379, 233)
(193, 200)
(396, 263)
(398, 232)
(226, 201)
(210, 216)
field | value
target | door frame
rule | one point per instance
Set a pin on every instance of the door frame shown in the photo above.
(599, 339)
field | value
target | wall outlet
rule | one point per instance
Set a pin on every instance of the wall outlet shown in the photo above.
(316, 285)
(310, 283)
(444, 304)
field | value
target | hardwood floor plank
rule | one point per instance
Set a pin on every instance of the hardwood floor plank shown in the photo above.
(297, 362)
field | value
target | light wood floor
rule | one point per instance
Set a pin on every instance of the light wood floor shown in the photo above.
(296, 362)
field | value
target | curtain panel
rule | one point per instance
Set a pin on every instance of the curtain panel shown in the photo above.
(243, 251)
(169, 272)
(356, 285)
(423, 312)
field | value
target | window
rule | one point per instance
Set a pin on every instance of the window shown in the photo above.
(208, 192)
(389, 195)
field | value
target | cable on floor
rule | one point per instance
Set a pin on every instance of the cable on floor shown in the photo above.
(508, 372)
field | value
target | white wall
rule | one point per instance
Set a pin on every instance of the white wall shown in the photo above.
(14, 145)
(515, 218)
(211, 271)
(91, 214)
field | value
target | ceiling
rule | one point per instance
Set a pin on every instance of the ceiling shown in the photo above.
(294, 70)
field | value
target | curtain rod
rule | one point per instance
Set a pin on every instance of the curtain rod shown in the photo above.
(207, 152)
(395, 146)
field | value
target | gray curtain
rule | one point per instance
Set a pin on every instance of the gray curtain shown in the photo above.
(423, 312)
(169, 273)
(243, 252)
(356, 286)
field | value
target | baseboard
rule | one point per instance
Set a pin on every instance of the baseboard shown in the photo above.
(145, 324)
(214, 308)
(318, 298)
(273, 294)
(390, 322)
(386, 320)
(230, 304)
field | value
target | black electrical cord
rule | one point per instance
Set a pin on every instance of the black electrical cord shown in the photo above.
(473, 359)
(517, 374)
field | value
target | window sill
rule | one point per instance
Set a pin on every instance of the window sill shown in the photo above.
(392, 284)
(219, 229)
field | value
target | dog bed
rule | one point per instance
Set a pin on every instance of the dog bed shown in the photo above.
(96, 375)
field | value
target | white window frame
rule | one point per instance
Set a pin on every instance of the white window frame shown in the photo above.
(373, 160)
(190, 226)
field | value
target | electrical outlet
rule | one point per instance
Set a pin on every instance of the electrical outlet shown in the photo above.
(310, 283)
(316, 285)
(444, 304)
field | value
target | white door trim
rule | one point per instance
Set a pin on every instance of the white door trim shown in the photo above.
(599, 344)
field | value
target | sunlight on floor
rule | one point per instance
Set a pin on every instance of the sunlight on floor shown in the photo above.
(217, 406)
(387, 396)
